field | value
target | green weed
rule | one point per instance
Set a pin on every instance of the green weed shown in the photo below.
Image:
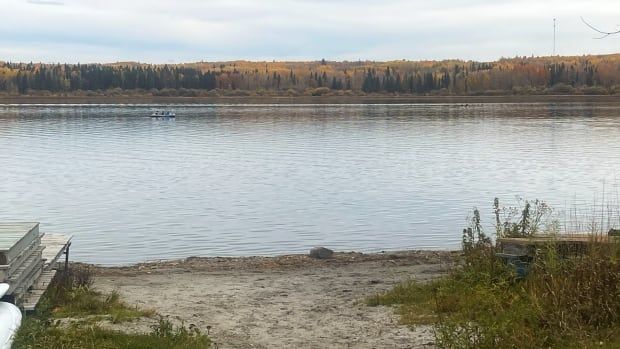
(569, 299)
(71, 296)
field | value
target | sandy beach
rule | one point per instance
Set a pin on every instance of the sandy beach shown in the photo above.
(280, 302)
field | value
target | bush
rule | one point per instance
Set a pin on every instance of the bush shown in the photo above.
(166, 92)
(524, 90)
(71, 294)
(236, 93)
(565, 301)
(594, 90)
(320, 91)
(497, 92)
(292, 93)
(184, 92)
(560, 88)
(528, 219)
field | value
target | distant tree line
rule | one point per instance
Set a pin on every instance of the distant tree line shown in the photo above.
(62, 78)
(514, 75)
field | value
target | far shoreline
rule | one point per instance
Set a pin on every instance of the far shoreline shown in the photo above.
(373, 99)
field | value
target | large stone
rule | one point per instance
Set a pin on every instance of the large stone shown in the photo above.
(321, 253)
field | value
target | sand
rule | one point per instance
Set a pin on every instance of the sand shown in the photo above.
(281, 302)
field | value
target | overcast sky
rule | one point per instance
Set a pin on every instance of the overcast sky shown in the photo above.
(166, 31)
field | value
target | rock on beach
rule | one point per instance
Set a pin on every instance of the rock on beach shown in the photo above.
(321, 253)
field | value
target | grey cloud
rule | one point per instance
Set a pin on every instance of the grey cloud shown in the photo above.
(46, 2)
(186, 30)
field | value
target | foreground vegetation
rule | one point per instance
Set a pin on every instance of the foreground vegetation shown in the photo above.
(71, 313)
(590, 75)
(570, 301)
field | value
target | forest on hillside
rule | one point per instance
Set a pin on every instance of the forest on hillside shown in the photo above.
(519, 75)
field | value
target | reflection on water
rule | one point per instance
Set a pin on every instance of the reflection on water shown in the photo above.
(244, 180)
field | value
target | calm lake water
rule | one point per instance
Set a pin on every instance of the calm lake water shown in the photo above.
(229, 180)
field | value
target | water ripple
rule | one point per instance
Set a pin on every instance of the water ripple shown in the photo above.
(268, 179)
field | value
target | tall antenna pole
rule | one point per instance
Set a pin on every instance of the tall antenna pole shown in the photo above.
(554, 36)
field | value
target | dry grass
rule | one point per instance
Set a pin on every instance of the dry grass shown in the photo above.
(71, 296)
(567, 300)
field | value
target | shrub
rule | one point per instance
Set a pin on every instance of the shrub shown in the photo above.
(565, 301)
(560, 88)
(71, 294)
(292, 93)
(594, 90)
(320, 91)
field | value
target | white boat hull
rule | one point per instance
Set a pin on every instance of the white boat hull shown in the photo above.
(163, 114)
(10, 320)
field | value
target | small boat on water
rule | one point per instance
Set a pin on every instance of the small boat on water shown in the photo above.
(163, 114)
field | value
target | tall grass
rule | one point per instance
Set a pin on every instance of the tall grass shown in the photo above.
(36, 333)
(71, 296)
(569, 299)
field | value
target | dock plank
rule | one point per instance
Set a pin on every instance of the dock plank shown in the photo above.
(32, 298)
(557, 239)
(55, 246)
(14, 237)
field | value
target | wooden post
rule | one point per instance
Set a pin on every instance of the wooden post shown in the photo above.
(67, 257)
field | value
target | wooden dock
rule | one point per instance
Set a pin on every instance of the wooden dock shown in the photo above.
(15, 238)
(55, 245)
(563, 242)
(29, 260)
(33, 296)
(540, 240)
(525, 248)
(520, 252)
